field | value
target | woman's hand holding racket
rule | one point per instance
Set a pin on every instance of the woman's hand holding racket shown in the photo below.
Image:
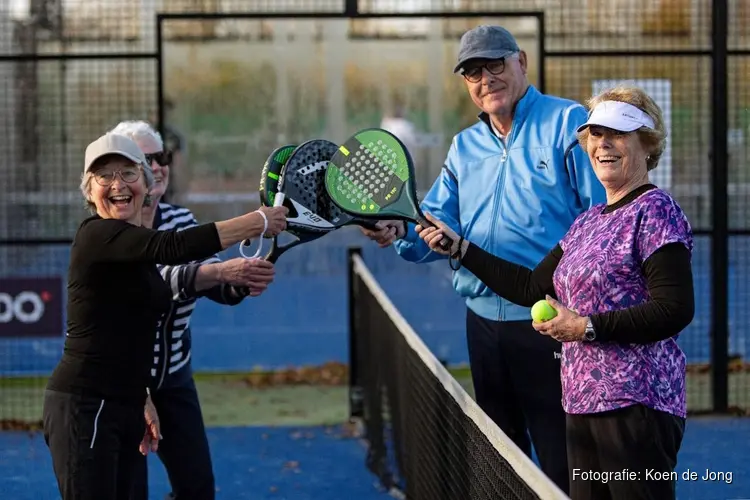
(275, 220)
(434, 235)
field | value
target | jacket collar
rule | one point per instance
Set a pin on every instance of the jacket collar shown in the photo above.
(522, 107)
(157, 217)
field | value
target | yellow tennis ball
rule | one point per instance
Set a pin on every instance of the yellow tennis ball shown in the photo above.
(542, 311)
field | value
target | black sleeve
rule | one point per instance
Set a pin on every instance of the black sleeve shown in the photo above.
(669, 276)
(515, 283)
(225, 294)
(112, 240)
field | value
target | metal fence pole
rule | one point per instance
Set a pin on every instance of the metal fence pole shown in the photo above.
(720, 225)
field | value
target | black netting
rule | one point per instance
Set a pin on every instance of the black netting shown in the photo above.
(235, 88)
(421, 440)
(53, 110)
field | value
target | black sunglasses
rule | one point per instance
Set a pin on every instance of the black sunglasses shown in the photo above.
(163, 158)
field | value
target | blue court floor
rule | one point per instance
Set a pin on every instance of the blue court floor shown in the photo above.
(309, 463)
(321, 463)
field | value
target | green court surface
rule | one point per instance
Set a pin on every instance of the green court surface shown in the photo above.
(313, 396)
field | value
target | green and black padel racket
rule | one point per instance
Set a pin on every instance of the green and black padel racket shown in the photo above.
(271, 173)
(371, 176)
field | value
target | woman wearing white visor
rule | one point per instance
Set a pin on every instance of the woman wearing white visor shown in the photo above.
(621, 283)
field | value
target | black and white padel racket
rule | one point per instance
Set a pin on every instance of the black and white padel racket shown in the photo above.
(301, 185)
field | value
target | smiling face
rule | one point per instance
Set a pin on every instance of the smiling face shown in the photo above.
(496, 93)
(118, 188)
(150, 146)
(618, 158)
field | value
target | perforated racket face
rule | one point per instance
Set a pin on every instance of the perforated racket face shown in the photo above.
(271, 173)
(371, 175)
(303, 184)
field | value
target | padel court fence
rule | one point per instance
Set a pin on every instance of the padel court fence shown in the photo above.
(235, 79)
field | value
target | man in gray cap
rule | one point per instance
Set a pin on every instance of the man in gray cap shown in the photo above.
(513, 183)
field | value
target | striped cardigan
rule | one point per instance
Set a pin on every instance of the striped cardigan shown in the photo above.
(172, 350)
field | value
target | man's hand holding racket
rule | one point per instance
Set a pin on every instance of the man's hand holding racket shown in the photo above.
(387, 233)
(433, 235)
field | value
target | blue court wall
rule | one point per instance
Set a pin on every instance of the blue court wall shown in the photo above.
(302, 318)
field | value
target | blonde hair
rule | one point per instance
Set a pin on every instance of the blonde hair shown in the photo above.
(654, 140)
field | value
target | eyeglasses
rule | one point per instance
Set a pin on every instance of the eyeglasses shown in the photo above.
(474, 74)
(163, 158)
(107, 177)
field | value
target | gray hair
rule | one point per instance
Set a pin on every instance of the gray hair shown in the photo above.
(85, 187)
(138, 129)
(135, 130)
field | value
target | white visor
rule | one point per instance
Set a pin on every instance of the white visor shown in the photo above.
(619, 116)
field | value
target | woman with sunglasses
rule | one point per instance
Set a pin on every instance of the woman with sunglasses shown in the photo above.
(184, 451)
(94, 403)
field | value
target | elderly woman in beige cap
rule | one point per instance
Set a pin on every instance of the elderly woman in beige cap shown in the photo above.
(94, 403)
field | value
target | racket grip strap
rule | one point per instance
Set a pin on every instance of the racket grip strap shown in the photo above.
(456, 256)
(265, 222)
(246, 242)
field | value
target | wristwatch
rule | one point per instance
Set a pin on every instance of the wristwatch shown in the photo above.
(589, 334)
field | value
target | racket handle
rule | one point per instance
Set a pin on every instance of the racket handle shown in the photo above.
(273, 257)
(446, 243)
(278, 199)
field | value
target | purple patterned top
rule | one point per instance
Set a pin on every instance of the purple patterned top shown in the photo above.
(600, 271)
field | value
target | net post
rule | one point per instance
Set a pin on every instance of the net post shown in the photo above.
(355, 387)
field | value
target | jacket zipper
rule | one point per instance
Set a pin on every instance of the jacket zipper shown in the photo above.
(499, 190)
(165, 352)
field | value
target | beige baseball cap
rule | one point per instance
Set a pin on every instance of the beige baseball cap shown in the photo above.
(115, 144)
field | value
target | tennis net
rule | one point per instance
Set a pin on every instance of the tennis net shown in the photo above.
(426, 437)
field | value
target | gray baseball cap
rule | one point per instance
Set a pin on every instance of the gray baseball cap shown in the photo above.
(115, 144)
(485, 42)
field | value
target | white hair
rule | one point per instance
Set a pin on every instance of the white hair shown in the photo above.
(138, 129)
(134, 129)
(87, 178)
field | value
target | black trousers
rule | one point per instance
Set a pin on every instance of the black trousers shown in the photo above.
(93, 443)
(184, 448)
(516, 376)
(642, 441)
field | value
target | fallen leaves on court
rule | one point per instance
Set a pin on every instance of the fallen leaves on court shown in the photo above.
(328, 374)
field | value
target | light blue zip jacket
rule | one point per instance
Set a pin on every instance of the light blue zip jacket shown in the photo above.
(515, 201)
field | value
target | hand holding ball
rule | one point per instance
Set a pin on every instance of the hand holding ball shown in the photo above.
(542, 311)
